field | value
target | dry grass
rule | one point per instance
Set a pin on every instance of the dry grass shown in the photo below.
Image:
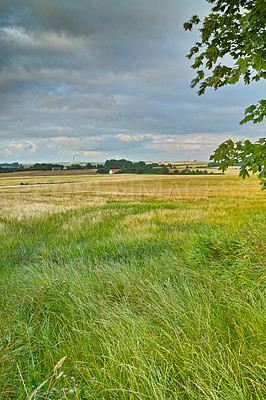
(32, 174)
(75, 192)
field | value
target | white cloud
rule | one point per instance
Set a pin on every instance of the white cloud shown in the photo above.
(24, 146)
(17, 148)
(92, 153)
(131, 138)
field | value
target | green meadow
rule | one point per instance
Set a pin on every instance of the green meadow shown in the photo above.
(133, 288)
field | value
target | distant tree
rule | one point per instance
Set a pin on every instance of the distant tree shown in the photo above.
(165, 170)
(116, 164)
(102, 170)
(89, 166)
(213, 164)
(140, 170)
(74, 166)
(140, 164)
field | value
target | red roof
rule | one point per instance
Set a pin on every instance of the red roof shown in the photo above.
(115, 170)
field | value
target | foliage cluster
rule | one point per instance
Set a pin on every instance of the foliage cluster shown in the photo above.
(234, 31)
(252, 157)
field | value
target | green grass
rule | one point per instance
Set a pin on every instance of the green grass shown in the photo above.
(148, 300)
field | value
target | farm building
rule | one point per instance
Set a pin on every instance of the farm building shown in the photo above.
(114, 171)
(56, 168)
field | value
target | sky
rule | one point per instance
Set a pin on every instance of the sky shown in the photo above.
(101, 79)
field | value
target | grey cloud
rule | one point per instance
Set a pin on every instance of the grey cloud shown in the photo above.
(116, 33)
(75, 70)
(98, 17)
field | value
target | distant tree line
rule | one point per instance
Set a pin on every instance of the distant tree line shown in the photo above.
(16, 167)
(50, 167)
(129, 167)
(10, 167)
(140, 167)
(124, 166)
(45, 167)
(217, 164)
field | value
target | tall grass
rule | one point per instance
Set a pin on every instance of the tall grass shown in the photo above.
(148, 300)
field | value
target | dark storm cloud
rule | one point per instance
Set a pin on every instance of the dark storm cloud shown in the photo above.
(93, 17)
(111, 34)
(106, 78)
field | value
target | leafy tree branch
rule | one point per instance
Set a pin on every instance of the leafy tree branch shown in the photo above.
(235, 29)
(252, 156)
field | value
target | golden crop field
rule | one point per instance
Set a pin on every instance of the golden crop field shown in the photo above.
(33, 195)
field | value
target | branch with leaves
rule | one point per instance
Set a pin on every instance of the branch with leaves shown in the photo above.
(252, 156)
(234, 28)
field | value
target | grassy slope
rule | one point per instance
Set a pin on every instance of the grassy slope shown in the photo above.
(148, 300)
